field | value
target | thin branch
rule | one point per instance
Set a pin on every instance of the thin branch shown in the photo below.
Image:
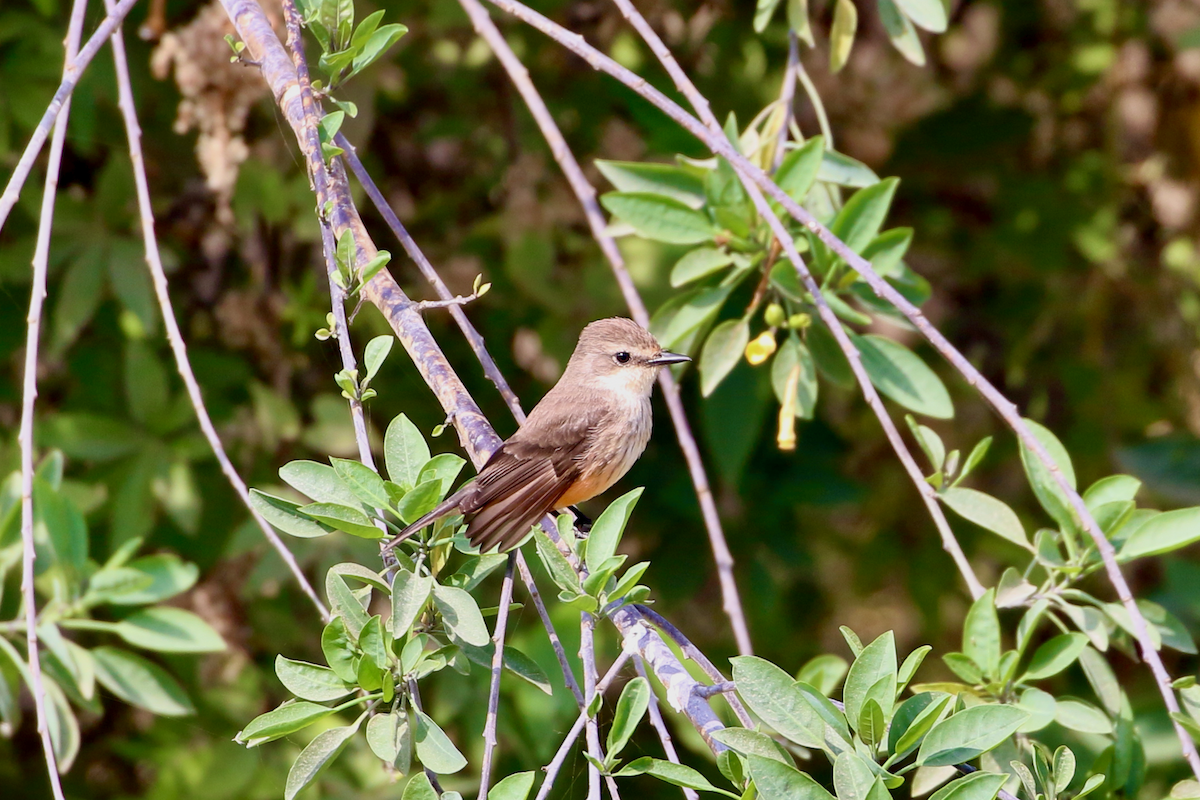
(37, 300)
(725, 687)
(924, 489)
(660, 726)
(70, 78)
(787, 95)
(174, 336)
(559, 652)
(1004, 407)
(474, 339)
(457, 300)
(489, 728)
(690, 651)
(586, 194)
(414, 694)
(587, 653)
(552, 769)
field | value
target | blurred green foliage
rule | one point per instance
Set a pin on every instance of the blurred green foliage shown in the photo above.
(1047, 156)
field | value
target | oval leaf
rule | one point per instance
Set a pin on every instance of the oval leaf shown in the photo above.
(968, 734)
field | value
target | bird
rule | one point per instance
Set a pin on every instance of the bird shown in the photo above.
(577, 442)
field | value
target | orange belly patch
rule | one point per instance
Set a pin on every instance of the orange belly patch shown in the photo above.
(587, 487)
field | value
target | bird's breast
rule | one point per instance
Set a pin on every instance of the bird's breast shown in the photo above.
(617, 444)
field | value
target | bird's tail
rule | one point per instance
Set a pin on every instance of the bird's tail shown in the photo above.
(445, 508)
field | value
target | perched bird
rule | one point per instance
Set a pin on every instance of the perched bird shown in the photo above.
(578, 441)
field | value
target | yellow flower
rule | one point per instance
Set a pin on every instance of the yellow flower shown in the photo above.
(761, 348)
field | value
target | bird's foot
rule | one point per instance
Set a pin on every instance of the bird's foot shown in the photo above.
(583, 523)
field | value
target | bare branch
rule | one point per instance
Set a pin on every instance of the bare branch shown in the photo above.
(174, 336)
(587, 653)
(660, 726)
(70, 78)
(717, 688)
(37, 300)
(555, 642)
(587, 198)
(489, 728)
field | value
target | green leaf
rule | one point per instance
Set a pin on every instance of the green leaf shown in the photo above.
(901, 32)
(461, 614)
(1054, 656)
(662, 219)
(404, 451)
(343, 518)
(778, 781)
(443, 468)
(771, 694)
(388, 737)
(515, 661)
(871, 725)
(1064, 768)
(968, 734)
(318, 481)
(763, 12)
(699, 263)
(1163, 533)
(1041, 707)
(799, 168)
(360, 573)
(607, 529)
(852, 778)
(859, 221)
(140, 682)
(666, 180)
(323, 749)
(419, 788)
(903, 376)
(370, 641)
(792, 353)
(976, 786)
(910, 666)
(843, 170)
(434, 748)
(62, 724)
(976, 456)
(556, 563)
(927, 14)
(362, 481)
(344, 603)
(981, 634)
(286, 516)
(828, 355)
(169, 575)
(677, 774)
(748, 742)
(380, 42)
(823, 672)
(964, 667)
(420, 501)
(92, 437)
(631, 707)
(1112, 489)
(722, 350)
(288, 718)
(876, 662)
(841, 34)
(170, 630)
(513, 787)
(1083, 717)
(1044, 487)
(338, 648)
(310, 681)
(886, 251)
(930, 443)
(695, 313)
(1102, 678)
(987, 512)
(913, 719)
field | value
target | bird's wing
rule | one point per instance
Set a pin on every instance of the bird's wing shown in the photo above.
(525, 478)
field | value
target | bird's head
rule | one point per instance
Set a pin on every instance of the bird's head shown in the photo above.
(620, 355)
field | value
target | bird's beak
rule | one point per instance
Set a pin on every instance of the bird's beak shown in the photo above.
(664, 358)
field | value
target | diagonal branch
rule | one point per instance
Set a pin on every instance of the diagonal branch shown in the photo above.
(489, 728)
(71, 74)
(587, 198)
(1004, 407)
(660, 727)
(174, 336)
(37, 300)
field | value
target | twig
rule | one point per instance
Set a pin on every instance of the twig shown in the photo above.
(814, 97)
(587, 653)
(489, 728)
(559, 652)
(660, 726)
(474, 339)
(37, 300)
(586, 194)
(174, 336)
(457, 300)
(724, 687)
(697, 656)
(560, 755)
(787, 95)
(1005, 408)
(71, 74)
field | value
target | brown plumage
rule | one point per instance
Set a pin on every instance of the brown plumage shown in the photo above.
(577, 442)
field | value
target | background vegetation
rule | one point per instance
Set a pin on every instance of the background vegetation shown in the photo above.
(1047, 156)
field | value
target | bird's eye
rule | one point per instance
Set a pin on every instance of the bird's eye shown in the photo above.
(621, 357)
